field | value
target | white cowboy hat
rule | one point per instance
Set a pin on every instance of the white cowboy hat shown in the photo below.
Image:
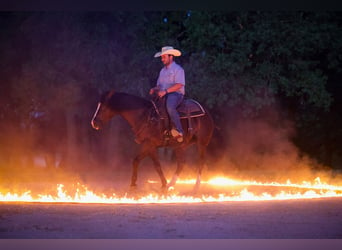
(169, 51)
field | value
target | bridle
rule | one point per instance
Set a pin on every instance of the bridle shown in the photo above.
(95, 114)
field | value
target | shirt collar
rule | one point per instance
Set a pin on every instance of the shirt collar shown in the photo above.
(170, 65)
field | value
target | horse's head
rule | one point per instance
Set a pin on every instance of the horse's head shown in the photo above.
(103, 112)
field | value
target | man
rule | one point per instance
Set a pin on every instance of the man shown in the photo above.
(171, 82)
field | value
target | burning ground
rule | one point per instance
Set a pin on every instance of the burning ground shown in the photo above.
(224, 208)
(260, 186)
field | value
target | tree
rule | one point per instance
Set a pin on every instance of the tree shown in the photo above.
(59, 62)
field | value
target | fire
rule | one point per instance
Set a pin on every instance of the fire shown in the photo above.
(229, 190)
(221, 181)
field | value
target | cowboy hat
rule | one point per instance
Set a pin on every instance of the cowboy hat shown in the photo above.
(169, 51)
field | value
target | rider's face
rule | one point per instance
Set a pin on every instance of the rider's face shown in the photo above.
(166, 59)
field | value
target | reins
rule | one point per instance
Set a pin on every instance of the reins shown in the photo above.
(145, 122)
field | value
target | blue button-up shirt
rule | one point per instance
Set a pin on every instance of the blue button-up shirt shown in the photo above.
(170, 75)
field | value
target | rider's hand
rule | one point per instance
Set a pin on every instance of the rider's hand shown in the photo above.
(162, 93)
(154, 90)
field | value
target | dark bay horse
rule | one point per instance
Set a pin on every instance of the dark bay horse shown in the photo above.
(142, 116)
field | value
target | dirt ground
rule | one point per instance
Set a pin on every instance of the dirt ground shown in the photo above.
(294, 219)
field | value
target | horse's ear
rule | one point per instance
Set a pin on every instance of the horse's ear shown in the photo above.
(107, 95)
(111, 93)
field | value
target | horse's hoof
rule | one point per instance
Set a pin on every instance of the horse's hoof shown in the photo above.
(133, 192)
(132, 189)
(164, 189)
(170, 186)
(196, 189)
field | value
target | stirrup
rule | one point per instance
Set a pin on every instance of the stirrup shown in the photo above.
(166, 135)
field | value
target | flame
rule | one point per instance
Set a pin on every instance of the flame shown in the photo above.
(222, 181)
(227, 187)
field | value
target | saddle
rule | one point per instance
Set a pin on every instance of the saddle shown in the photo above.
(188, 109)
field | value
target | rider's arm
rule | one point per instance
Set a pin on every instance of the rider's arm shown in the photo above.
(174, 87)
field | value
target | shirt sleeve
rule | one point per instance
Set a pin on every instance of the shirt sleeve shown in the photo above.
(158, 80)
(180, 76)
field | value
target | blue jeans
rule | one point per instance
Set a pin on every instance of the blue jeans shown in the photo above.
(172, 102)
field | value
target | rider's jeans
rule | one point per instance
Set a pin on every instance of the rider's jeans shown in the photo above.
(172, 101)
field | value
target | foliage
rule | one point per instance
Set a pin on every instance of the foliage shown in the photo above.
(250, 60)
(252, 57)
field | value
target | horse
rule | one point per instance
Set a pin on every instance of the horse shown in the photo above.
(146, 122)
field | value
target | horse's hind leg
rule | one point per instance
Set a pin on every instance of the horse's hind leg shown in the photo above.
(143, 153)
(201, 152)
(134, 177)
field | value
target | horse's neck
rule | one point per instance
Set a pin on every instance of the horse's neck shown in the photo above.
(134, 118)
(132, 109)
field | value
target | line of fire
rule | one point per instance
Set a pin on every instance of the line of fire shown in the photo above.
(261, 113)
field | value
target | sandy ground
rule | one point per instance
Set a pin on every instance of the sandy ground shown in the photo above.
(295, 219)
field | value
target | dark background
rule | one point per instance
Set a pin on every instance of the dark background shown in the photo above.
(271, 80)
(269, 5)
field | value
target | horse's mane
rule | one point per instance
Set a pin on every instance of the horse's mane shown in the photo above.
(124, 101)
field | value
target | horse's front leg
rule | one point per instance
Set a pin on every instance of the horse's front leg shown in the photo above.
(202, 152)
(157, 166)
(142, 154)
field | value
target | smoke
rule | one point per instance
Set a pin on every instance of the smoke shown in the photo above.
(66, 150)
(262, 148)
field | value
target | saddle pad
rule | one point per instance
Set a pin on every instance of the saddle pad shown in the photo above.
(190, 107)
